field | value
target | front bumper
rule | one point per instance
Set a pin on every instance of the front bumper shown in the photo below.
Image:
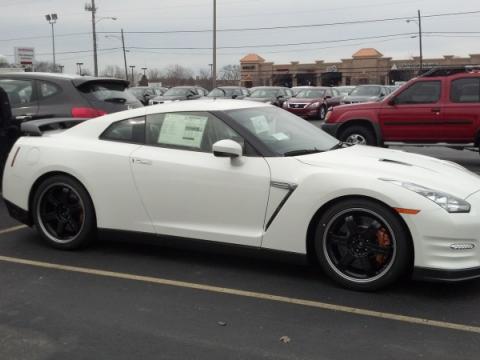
(304, 113)
(331, 129)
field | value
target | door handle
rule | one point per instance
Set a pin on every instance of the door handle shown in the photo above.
(436, 111)
(142, 161)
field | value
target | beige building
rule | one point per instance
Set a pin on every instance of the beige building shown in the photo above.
(366, 66)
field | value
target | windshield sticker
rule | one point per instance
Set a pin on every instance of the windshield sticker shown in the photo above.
(280, 136)
(260, 124)
(183, 130)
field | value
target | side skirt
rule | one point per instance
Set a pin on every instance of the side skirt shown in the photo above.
(202, 246)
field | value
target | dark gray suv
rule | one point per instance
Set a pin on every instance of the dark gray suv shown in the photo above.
(44, 95)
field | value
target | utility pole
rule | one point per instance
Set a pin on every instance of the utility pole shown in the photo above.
(91, 7)
(420, 39)
(124, 56)
(133, 76)
(214, 65)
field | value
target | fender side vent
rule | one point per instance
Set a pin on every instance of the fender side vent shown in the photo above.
(395, 162)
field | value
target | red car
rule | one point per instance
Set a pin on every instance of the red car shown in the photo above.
(441, 108)
(313, 103)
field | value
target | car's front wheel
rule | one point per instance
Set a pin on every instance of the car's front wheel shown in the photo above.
(362, 244)
(357, 135)
(63, 213)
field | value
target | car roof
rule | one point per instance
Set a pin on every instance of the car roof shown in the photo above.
(76, 79)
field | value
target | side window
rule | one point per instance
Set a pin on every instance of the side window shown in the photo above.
(194, 131)
(422, 92)
(48, 89)
(129, 131)
(20, 92)
(465, 90)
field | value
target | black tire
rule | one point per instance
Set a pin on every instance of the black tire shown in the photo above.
(63, 213)
(322, 112)
(362, 245)
(358, 134)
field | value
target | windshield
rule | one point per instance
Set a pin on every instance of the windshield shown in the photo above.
(282, 132)
(311, 94)
(366, 91)
(345, 90)
(265, 93)
(220, 93)
(178, 92)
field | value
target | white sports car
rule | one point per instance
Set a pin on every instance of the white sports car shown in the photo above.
(249, 174)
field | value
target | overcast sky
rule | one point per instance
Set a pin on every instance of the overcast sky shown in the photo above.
(25, 19)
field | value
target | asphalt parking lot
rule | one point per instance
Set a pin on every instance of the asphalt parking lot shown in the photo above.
(129, 300)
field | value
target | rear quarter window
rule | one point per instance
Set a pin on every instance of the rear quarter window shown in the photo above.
(465, 90)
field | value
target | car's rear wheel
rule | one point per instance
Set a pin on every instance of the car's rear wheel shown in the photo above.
(357, 135)
(63, 213)
(362, 244)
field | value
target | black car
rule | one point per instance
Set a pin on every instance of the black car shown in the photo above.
(43, 95)
(271, 94)
(229, 92)
(179, 93)
(145, 93)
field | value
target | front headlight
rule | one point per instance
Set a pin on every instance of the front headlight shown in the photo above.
(448, 202)
(314, 105)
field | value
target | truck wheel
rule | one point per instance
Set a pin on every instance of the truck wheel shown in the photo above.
(358, 135)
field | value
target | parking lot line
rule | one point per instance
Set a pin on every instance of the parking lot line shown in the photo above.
(12, 229)
(248, 294)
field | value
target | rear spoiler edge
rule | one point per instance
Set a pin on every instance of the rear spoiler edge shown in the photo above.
(38, 127)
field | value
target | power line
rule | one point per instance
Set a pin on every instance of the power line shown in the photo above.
(361, 21)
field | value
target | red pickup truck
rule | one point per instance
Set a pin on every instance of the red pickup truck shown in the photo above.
(439, 108)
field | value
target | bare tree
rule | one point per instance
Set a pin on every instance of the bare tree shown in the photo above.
(113, 71)
(204, 78)
(3, 62)
(44, 66)
(230, 73)
(176, 75)
(154, 75)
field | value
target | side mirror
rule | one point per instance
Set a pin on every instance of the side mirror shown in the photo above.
(392, 102)
(328, 97)
(227, 148)
(279, 97)
(234, 96)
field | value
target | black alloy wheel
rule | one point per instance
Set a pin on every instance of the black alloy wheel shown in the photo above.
(63, 213)
(362, 244)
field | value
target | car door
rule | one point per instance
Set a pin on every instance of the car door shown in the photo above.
(23, 97)
(413, 115)
(462, 110)
(191, 193)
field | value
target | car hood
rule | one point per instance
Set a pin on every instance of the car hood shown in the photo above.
(262, 99)
(378, 163)
(303, 101)
(171, 98)
(360, 98)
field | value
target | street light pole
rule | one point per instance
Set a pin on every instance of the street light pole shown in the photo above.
(91, 7)
(52, 19)
(214, 65)
(133, 76)
(420, 39)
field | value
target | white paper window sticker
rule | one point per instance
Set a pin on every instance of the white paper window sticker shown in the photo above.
(183, 130)
(260, 124)
(280, 136)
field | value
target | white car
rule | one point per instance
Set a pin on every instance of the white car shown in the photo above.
(249, 174)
